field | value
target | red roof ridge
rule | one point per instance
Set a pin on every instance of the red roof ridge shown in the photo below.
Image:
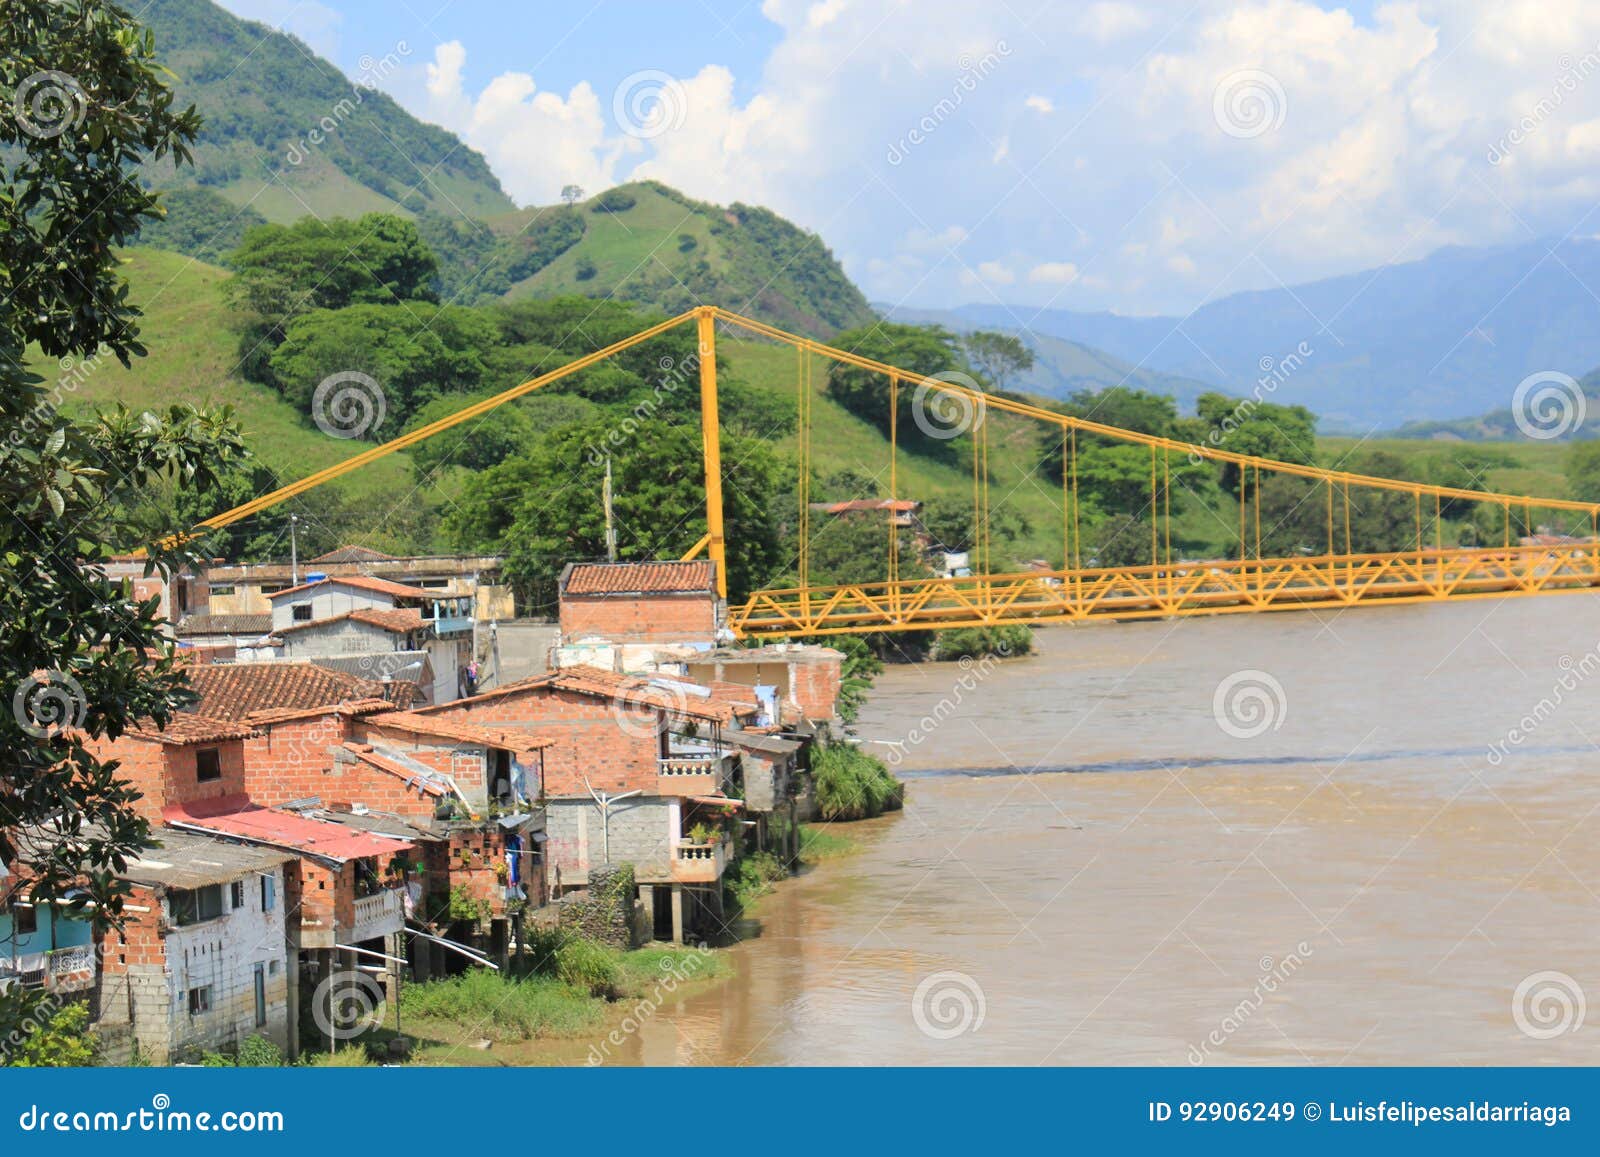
(691, 576)
(363, 582)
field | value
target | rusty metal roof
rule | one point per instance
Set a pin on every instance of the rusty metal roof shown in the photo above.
(236, 817)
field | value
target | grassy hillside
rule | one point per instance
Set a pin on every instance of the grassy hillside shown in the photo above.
(648, 243)
(193, 351)
(266, 100)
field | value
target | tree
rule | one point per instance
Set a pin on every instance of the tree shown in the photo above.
(998, 357)
(81, 659)
(1583, 471)
(1260, 429)
(923, 351)
(572, 194)
(286, 271)
(542, 508)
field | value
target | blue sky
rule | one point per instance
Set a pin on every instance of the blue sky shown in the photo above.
(1137, 155)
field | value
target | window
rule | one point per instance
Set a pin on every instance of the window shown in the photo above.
(269, 893)
(237, 897)
(302, 613)
(25, 920)
(261, 995)
(272, 588)
(207, 765)
(198, 905)
(222, 591)
(199, 1000)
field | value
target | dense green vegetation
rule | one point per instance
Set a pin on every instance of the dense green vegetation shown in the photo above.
(852, 785)
(288, 134)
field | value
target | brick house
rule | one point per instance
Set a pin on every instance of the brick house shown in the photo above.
(201, 961)
(631, 603)
(635, 771)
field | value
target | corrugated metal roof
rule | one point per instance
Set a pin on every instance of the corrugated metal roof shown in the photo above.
(236, 817)
(638, 578)
(191, 625)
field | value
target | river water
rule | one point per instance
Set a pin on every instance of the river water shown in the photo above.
(1347, 855)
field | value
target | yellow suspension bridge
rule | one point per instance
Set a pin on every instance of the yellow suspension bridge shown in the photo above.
(1168, 587)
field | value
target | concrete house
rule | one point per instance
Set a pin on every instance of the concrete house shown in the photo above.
(350, 616)
(245, 588)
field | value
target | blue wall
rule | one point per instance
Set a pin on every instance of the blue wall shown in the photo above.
(69, 933)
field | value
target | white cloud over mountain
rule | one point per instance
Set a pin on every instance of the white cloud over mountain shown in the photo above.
(1136, 154)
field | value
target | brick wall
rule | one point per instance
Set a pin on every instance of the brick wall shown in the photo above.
(164, 774)
(292, 760)
(634, 618)
(816, 686)
(589, 739)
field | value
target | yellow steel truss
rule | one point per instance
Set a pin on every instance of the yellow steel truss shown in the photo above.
(1166, 588)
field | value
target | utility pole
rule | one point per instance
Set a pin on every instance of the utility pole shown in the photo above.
(294, 551)
(611, 525)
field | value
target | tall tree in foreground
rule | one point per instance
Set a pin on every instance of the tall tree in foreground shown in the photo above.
(85, 103)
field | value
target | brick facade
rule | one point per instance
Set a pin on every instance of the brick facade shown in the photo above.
(664, 618)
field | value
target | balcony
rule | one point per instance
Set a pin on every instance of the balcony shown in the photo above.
(693, 773)
(63, 970)
(699, 863)
(448, 626)
(377, 915)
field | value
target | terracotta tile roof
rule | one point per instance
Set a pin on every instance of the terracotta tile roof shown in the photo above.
(235, 690)
(364, 583)
(639, 578)
(897, 505)
(509, 738)
(348, 707)
(187, 727)
(223, 625)
(397, 621)
(237, 817)
(676, 696)
(352, 553)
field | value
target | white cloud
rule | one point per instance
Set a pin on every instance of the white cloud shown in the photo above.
(1053, 273)
(1421, 123)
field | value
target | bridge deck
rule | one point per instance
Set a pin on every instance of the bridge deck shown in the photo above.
(1199, 588)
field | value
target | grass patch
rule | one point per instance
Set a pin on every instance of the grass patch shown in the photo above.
(821, 843)
(497, 1007)
(752, 876)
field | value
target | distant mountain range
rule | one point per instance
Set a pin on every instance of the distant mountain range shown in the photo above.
(1445, 337)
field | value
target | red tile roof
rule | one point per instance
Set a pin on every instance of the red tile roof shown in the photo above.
(897, 505)
(235, 690)
(674, 695)
(187, 727)
(639, 578)
(364, 583)
(508, 738)
(348, 707)
(236, 817)
(397, 621)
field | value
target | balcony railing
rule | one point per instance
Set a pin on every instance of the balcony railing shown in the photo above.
(699, 863)
(62, 969)
(693, 773)
(378, 914)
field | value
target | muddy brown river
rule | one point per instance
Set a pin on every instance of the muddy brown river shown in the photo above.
(1368, 838)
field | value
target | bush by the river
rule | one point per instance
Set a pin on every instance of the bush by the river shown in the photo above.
(977, 642)
(852, 785)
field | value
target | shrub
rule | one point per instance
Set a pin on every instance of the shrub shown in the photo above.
(586, 269)
(48, 1039)
(853, 785)
(977, 642)
(751, 876)
(505, 1008)
(613, 201)
(258, 1052)
(589, 966)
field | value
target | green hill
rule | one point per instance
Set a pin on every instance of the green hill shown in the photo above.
(287, 134)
